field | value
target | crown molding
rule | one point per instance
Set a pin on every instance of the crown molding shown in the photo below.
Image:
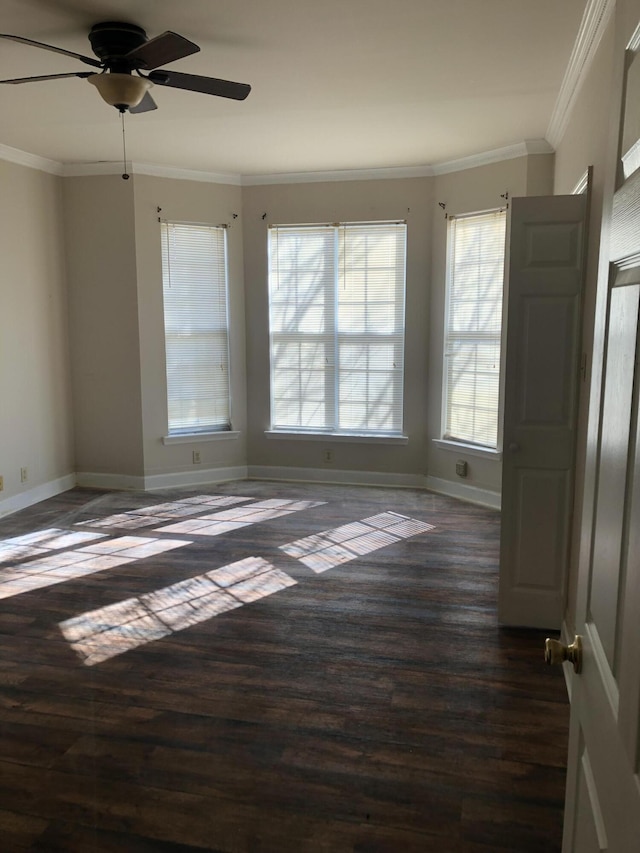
(538, 146)
(80, 170)
(186, 174)
(32, 161)
(594, 22)
(497, 155)
(510, 152)
(393, 172)
(74, 170)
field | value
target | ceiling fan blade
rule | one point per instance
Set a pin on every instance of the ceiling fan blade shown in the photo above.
(161, 50)
(146, 105)
(196, 83)
(86, 59)
(48, 77)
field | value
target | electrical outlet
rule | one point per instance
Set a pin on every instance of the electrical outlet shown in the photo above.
(196, 457)
(461, 468)
(23, 475)
(1, 483)
(327, 456)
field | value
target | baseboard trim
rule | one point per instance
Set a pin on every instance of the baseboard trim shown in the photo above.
(37, 494)
(155, 482)
(194, 478)
(464, 492)
(339, 477)
(94, 480)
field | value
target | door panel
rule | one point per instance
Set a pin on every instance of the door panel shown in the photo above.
(553, 245)
(542, 498)
(614, 451)
(590, 834)
(541, 382)
(548, 362)
(603, 786)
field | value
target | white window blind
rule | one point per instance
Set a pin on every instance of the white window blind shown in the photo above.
(473, 328)
(336, 299)
(194, 275)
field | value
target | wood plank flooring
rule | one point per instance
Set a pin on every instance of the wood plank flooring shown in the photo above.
(374, 707)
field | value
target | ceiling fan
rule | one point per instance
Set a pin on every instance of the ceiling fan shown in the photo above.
(124, 52)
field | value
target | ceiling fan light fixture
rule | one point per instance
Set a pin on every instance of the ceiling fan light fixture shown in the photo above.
(122, 91)
(123, 50)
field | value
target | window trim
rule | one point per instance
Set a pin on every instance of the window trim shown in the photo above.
(447, 441)
(197, 437)
(207, 432)
(338, 437)
(463, 447)
(331, 433)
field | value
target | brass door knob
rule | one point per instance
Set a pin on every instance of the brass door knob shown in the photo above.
(557, 652)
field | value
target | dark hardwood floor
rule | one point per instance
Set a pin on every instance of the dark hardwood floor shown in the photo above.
(375, 706)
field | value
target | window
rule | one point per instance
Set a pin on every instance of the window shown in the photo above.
(336, 316)
(473, 328)
(194, 277)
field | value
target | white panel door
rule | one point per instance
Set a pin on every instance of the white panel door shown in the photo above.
(603, 782)
(603, 770)
(546, 273)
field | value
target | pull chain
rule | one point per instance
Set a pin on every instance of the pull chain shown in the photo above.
(125, 176)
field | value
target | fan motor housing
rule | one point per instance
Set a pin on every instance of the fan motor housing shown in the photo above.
(112, 40)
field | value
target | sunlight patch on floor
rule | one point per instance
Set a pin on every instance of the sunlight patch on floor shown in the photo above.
(323, 551)
(147, 516)
(54, 565)
(62, 566)
(42, 542)
(101, 634)
(231, 519)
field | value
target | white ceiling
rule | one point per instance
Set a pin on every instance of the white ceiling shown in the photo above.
(336, 84)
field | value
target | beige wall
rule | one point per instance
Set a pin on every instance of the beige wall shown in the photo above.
(350, 201)
(584, 144)
(116, 322)
(103, 308)
(469, 191)
(185, 201)
(117, 325)
(36, 424)
(540, 174)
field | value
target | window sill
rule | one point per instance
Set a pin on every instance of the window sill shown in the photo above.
(199, 437)
(337, 437)
(467, 449)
